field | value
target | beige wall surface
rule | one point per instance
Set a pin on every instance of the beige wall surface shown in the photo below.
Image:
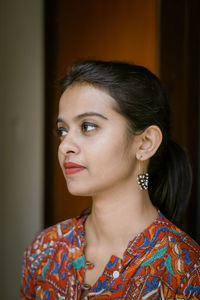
(21, 135)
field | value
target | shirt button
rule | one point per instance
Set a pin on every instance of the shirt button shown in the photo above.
(86, 286)
(115, 274)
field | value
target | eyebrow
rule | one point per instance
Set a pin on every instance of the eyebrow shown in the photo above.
(86, 114)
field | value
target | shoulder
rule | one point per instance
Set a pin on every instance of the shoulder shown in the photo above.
(166, 241)
(49, 236)
(182, 257)
(47, 253)
(168, 253)
(177, 237)
(47, 243)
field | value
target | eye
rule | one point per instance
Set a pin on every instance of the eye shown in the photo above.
(88, 126)
(61, 131)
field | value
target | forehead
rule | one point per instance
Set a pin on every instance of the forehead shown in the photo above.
(80, 97)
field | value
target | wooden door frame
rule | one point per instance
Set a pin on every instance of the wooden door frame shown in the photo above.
(179, 71)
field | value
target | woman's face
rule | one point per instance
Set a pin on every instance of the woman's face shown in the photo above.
(94, 136)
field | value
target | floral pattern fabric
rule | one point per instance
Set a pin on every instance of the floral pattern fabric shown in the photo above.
(162, 262)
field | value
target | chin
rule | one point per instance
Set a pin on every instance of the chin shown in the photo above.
(85, 188)
(80, 194)
(78, 191)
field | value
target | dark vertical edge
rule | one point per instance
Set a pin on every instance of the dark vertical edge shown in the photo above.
(50, 56)
(198, 181)
(179, 73)
(192, 10)
(43, 134)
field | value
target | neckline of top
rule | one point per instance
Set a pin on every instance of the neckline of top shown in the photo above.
(132, 246)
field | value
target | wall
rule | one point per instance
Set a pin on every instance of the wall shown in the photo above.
(21, 142)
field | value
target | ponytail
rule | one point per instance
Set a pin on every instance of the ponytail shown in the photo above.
(170, 180)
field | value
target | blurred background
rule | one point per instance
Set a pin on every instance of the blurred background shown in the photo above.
(39, 40)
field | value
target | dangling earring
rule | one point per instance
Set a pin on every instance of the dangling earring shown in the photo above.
(143, 179)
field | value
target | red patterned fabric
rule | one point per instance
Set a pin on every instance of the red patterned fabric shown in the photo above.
(162, 262)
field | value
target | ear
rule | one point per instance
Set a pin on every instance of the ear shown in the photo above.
(150, 141)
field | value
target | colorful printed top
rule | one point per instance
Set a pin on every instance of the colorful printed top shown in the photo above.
(162, 262)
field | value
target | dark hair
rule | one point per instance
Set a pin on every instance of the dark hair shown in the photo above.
(141, 99)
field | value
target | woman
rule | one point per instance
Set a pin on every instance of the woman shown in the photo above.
(115, 146)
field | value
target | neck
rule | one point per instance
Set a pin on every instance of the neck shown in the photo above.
(117, 217)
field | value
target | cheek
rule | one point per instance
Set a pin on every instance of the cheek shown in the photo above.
(108, 155)
(60, 157)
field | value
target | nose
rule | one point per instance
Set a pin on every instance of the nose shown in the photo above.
(68, 145)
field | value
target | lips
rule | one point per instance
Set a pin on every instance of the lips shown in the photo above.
(72, 168)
